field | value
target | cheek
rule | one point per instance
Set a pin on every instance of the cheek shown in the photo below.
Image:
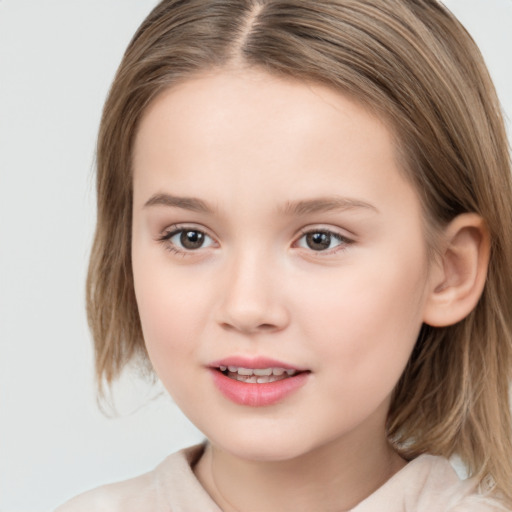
(365, 326)
(170, 313)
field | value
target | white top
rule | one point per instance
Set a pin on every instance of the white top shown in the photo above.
(426, 484)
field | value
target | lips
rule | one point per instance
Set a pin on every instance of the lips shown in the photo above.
(257, 382)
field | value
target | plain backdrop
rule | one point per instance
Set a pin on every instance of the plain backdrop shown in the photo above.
(57, 58)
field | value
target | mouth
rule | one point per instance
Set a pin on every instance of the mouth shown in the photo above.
(257, 375)
(257, 382)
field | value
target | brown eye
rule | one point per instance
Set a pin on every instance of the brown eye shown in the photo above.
(318, 241)
(187, 239)
(192, 239)
(322, 240)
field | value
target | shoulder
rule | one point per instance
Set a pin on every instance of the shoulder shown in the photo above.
(120, 496)
(480, 504)
(428, 483)
(444, 490)
(173, 479)
(477, 502)
(445, 487)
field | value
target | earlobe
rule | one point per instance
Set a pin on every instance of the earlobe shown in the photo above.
(458, 277)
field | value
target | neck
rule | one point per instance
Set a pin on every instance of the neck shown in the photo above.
(332, 478)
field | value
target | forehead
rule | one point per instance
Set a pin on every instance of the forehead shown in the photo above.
(249, 128)
(256, 98)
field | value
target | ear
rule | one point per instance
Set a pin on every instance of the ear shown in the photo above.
(457, 279)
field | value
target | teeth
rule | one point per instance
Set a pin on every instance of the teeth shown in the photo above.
(266, 378)
(262, 372)
(253, 379)
(257, 375)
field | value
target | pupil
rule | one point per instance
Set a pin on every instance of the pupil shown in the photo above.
(318, 241)
(192, 239)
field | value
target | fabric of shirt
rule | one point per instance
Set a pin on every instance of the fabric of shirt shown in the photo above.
(426, 484)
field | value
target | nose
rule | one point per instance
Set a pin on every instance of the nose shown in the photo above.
(252, 299)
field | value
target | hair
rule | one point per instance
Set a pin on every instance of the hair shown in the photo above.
(414, 65)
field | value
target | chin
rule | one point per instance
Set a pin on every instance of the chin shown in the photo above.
(278, 445)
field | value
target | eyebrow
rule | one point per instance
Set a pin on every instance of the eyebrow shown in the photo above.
(301, 207)
(326, 204)
(186, 203)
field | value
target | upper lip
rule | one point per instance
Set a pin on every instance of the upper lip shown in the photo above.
(254, 363)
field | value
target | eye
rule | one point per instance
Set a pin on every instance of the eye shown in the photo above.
(322, 240)
(187, 239)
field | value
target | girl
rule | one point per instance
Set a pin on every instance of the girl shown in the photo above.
(304, 228)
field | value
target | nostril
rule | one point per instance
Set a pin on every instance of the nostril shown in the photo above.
(228, 326)
(249, 329)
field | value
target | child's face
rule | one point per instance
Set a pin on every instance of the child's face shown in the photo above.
(270, 220)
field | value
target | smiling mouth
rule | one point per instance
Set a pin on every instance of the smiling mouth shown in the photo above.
(257, 375)
(266, 382)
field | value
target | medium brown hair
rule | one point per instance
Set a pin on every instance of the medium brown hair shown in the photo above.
(413, 64)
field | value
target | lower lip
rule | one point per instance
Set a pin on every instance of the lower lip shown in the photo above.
(257, 395)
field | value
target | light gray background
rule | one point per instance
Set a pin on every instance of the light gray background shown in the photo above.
(57, 58)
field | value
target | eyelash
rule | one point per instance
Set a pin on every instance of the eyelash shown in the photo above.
(166, 237)
(344, 241)
(171, 232)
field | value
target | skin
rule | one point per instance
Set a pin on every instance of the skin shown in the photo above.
(251, 146)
